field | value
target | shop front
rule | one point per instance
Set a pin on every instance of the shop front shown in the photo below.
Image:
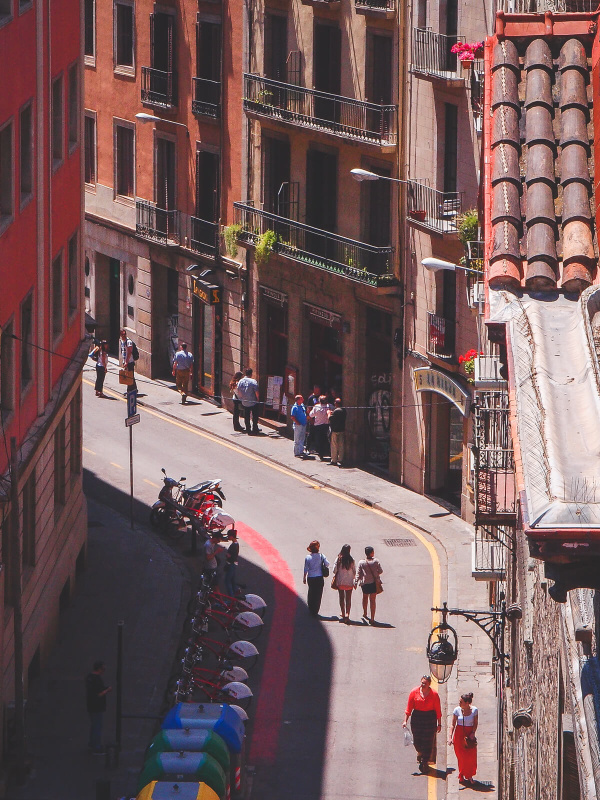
(207, 337)
(378, 387)
(274, 335)
(325, 336)
(445, 405)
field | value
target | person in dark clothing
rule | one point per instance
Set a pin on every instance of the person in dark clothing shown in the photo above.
(337, 427)
(231, 563)
(96, 692)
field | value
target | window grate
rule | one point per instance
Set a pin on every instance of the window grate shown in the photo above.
(400, 542)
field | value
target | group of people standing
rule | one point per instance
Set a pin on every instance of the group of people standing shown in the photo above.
(326, 424)
(346, 577)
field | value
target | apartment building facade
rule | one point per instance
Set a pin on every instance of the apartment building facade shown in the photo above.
(42, 507)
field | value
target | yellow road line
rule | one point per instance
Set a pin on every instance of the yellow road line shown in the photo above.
(437, 572)
(91, 452)
(118, 466)
(156, 486)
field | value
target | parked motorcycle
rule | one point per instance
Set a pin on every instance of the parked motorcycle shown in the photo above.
(169, 514)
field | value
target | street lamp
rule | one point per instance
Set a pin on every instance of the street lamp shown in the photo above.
(438, 265)
(364, 175)
(144, 118)
(443, 653)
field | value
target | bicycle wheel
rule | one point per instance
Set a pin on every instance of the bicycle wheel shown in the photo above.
(247, 626)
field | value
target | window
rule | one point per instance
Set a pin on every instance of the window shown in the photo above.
(57, 295)
(90, 148)
(90, 31)
(26, 154)
(5, 11)
(59, 467)
(124, 161)
(73, 253)
(450, 147)
(6, 175)
(123, 37)
(57, 121)
(73, 106)
(26, 342)
(7, 372)
(75, 438)
(29, 521)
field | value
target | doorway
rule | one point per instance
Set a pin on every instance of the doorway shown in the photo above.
(327, 75)
(114, 305)
(326, 358)
(206, 335)
(444, 449)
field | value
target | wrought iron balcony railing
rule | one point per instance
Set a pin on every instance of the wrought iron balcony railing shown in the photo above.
(158, 224)
(431, 55)
(357, 261)
(436, 210)
(206, 97)
(388, 6)
(342, 116)
(441, 337)
(159, 88)
(204, 235)
(490, 548)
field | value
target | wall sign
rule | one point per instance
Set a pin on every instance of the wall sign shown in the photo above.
(323, 317)
(277, 298)
(432, 380)
(208, 293)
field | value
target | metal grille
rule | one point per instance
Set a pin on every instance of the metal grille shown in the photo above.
(400, 542)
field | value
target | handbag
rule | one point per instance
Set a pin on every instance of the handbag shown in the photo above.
(378, 585)
(470, 742)
(334, 582)
(125, 377)
(324, 569)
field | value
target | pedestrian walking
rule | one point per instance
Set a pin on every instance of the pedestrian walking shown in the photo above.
(237, 403)
(100, 356)
(425, 714)
(337, 428)
(212, 547)
(320, 414)
(344, 576)
(299, 417)
(316, 568)
(367, 575)
(182, 366)
(465, 719)
(128, 357)
(247, 391)
(96, 691)
(231, 563)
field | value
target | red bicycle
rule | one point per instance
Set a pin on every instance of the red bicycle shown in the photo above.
(224, 652)
(246, 624)
(224, 602)
(235, 692)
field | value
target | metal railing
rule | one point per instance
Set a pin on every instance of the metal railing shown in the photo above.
(441, 335)
(495, 492)
(431, 55)
(360, 262)
(206, 97)
(159, 88)
(158, 224)
(376, 5)
(436, 210)
(343, 116)
(490, 548)
(204, 236)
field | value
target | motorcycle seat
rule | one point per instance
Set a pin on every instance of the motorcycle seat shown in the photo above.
(200, 487)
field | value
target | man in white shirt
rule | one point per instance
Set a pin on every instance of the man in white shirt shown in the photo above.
(320, 414)
(182, 365)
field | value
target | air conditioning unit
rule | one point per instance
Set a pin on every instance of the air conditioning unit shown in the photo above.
(476, 295)
(487, 373)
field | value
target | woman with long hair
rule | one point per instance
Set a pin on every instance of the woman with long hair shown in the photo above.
(237, 403)
(369, 570)
(344, 571)
(462, 735)
(100, 355)
(425, 714)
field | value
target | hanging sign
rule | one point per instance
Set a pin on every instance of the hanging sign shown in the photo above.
(323, 317)
(432, 380)
(278, 298)
(208, 293)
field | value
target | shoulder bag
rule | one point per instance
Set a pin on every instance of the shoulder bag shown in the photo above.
(324, 569)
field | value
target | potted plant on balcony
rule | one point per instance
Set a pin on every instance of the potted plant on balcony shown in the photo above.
(231, 234)
(467, 362)
(264, 247)
(419, 214)
(467, 52)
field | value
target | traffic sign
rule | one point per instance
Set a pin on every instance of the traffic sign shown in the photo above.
(132, 420)
(131, 403)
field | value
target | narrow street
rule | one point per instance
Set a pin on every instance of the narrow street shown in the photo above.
(327, 714)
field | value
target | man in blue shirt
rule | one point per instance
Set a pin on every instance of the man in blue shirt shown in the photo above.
(247, 391)
(182, 364)
(299, 416)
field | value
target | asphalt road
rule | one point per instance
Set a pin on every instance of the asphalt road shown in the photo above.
(330, 698)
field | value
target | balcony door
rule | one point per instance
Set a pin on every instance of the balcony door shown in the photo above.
(165, 186)
(162, 53)
(377, 210)
(207, 198)
(327, 66)
(208, 64)
(276, 53)
(276, 175)
(379, 81)
(321, 200)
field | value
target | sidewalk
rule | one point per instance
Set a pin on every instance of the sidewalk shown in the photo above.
(453, 537)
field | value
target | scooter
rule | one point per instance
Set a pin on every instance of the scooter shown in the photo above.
(207, 491)
(169, 514)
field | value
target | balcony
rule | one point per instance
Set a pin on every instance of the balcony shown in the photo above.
(435, 210)
(490, 547)
(204, 236)
(206, 97)
(357, 261)
(380, 8)
(329, 113)
(440, 337)
(431, 56)
(157, 224)
(159, 88)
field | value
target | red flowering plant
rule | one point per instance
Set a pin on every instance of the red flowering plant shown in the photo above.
(467, 360)
(467, 51)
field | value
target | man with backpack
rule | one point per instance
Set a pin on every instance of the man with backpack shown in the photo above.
(129, 355)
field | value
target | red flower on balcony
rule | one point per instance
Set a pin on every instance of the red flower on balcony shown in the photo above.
(467, 51)
(467, 360)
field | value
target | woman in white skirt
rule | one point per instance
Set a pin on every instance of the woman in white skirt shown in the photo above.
(344, 572)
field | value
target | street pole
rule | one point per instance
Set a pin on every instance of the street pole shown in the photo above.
(119, 696)
(131, 474)
(15, 569)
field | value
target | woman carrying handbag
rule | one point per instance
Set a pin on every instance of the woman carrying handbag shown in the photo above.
(344, 575)
(316, 568)
(369, 570)
(464, 724)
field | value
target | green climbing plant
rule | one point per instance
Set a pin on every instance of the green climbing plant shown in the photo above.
(231, 235)
(264, 247)
(468, 226)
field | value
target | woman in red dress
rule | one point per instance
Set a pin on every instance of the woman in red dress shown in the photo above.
(425, 713)
(464, 724)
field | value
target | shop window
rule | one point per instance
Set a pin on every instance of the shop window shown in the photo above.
(73, 107)
(90, 31)
(57, 295)
(124, 37)
(57, 122)
(7, 371)
(29, 522)
(6, 175)
(26, 154)
(73, 274)
(26, 342)
(90, 148)
(125, 160)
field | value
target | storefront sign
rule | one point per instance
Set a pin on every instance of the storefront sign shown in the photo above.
(432, 380)
(278, 298)
(209, 294)
(323, 317)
